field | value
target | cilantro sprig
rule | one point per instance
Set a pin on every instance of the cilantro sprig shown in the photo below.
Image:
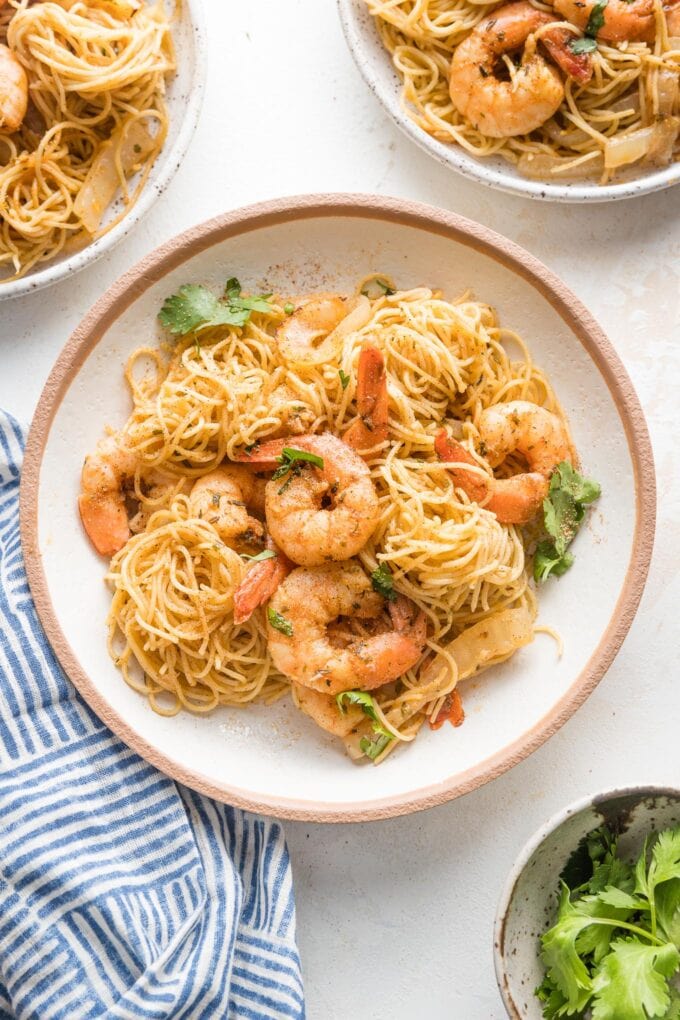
(194, 307)
(293, 460)
(588, 41)
(616, 942)
(375, 744)
(383, 583)
(563, 511)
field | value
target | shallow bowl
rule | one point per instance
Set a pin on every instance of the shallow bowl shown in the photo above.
(375, 65)
(184, 100)
(274, 759)
(529, 901)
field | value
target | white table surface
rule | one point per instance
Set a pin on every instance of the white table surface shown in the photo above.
(395, 918)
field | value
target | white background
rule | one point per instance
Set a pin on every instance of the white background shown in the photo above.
(395, 918)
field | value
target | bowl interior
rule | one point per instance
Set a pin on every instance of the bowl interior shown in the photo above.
(274, 757)
(533, 899)
(184, 99)
(375, 65)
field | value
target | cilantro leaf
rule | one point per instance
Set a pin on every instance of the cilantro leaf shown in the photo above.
(596, 19)
(548, 561)
(584, 44)
(563, 511)
(667, 899)
(632, 981)
(292, 458)
(563, 964)
(382, 582)
(665, 863)
(279, 622)
(375, 745)
(362, 698)
(195, 307)
(344, 379)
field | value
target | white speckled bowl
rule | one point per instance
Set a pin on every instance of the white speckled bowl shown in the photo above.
(184, 100)
(274, 759)
(527, 906)
(376, 67)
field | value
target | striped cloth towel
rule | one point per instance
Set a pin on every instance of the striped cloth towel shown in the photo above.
(122, 894)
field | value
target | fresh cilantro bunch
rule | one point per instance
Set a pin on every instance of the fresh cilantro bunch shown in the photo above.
(563, 512)
(375, 744)
(614, 948)
(195, 307)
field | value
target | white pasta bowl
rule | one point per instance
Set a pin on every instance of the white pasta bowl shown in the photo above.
(528, 904)
(184, 99)
(375, 65)
(274, 759)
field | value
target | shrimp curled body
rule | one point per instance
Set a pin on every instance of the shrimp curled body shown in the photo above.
(13, 91)
(310, 599)
(318, 514)
(223, 498)
(102, 497)
(517, 427)
(499, 108)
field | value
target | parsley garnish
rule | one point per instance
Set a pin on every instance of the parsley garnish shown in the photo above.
(279, 622)
(588, 43)
(195, 307)
(344, 379)
(294, 459)
(266, 554)
(615, 943)
(382, 582)
(563, 512)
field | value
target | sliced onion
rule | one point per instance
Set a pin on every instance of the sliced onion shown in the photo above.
(667, 92)
(663, 142)
(487, 642)
(627, 148)
(358, 315)
(134, 145)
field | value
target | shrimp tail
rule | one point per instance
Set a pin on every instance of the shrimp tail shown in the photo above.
(451, 711)
(578, 66)
(260, 583)
(372, 403)
(265, 456)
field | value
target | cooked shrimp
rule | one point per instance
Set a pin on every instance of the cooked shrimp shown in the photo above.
(102, 497)
(316, 514)
(520, 427)
(223, 497)
(622, 20)
(311, 599)
(260, 583)
(370, 428)
(13, 90)
(502, 109)
(301, 335)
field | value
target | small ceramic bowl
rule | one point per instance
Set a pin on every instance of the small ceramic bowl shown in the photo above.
(375, 65)
(184, 99)
(529, 901)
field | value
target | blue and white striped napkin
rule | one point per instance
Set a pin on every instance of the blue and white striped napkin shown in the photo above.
(122, 894)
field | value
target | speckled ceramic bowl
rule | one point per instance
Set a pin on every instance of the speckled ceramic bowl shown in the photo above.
(376, 67)
(527, 906)
(184, 100)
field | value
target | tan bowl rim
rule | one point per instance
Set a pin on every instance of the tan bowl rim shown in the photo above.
(443, 223)
(527, 852)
